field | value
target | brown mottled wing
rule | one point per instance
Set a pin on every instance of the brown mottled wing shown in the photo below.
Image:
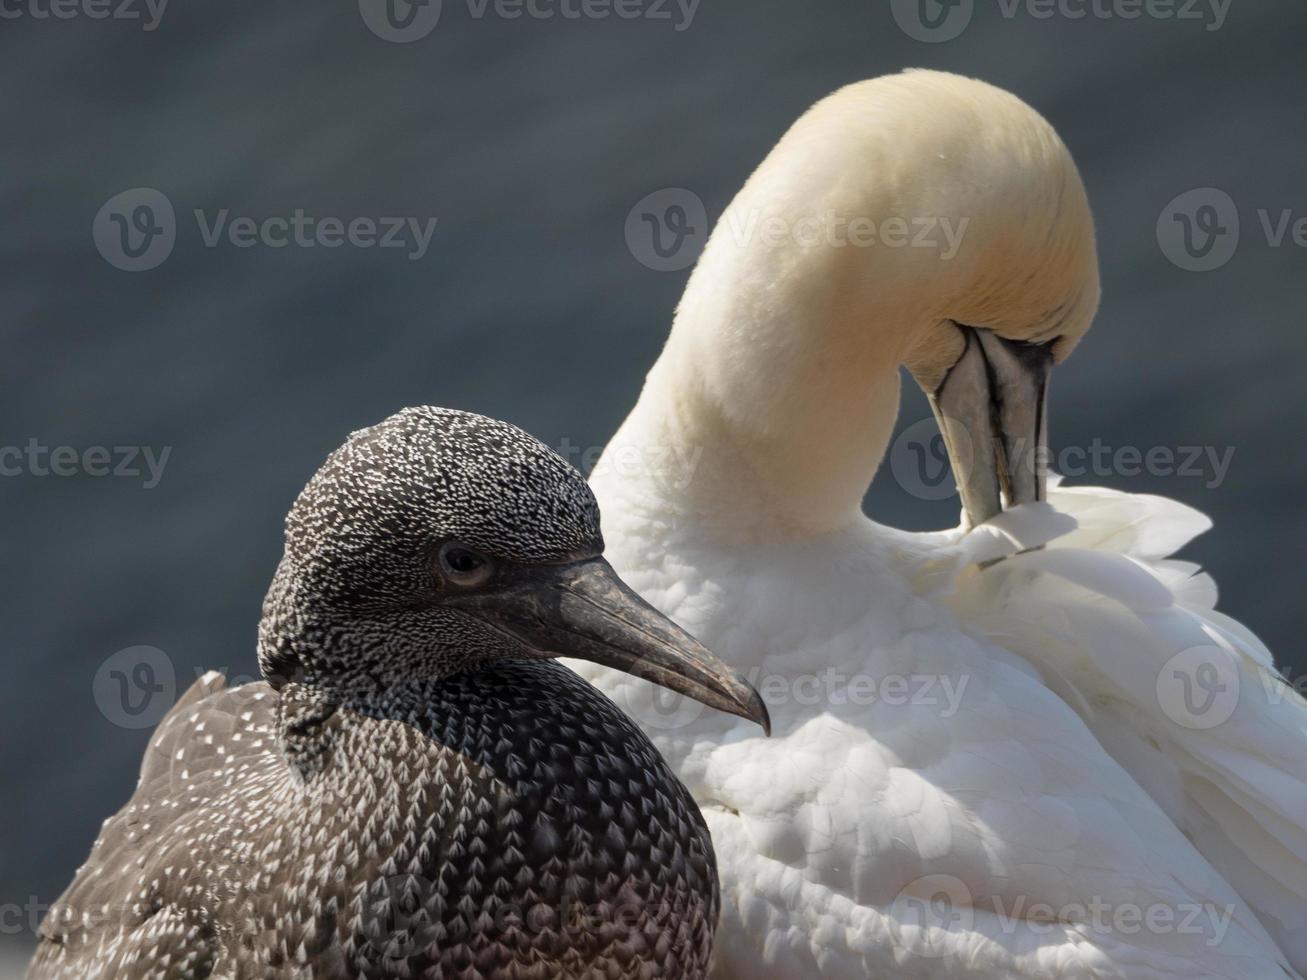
(509, 824)
(135, 910)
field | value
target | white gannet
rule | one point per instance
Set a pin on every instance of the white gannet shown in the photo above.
(1061, 764)
(416, 791)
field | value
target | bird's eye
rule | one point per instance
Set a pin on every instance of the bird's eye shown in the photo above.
(463, 566)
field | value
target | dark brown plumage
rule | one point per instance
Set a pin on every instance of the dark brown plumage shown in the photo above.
(415, 791)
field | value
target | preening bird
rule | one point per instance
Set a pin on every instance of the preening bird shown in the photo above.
(416, 790)
(1029, 747)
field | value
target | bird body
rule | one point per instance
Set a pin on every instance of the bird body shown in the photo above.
(415, 790)
(505, 822)
(1028, 747)
(970, 774)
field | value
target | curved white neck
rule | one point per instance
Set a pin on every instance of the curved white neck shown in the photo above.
(800, 459)
(890, 209)
(776, 394)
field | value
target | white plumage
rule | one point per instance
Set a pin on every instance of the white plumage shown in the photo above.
(1062, 764)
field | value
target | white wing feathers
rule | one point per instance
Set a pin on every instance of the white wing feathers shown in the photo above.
(1184, 698)
(1062, 764)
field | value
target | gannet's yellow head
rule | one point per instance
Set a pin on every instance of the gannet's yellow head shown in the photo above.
(1026, 268)
(921, 220)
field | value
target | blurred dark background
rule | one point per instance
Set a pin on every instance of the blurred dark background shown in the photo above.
(530, 140)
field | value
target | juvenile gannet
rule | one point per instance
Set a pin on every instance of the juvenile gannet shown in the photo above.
(980, 769)
(415, 791)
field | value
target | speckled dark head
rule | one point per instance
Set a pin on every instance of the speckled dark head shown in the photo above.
(359, 594)
(368, 522)
(437, 541)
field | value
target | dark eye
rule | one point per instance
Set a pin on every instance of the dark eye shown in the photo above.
(462, 565)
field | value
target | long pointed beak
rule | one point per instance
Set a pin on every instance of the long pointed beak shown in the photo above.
(991, 409)
(583, 609)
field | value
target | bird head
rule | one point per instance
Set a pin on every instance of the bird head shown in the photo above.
(438, 540)
(922, 221)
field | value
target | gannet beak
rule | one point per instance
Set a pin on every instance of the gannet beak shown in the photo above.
(583, 609)
(991, 409)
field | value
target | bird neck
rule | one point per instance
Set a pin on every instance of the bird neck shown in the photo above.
(364, 660)
(320, 659)
(324, 672)
(890, 211)
(775, 396)
(792, 447)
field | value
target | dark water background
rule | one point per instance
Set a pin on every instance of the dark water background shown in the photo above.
(530, 140)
